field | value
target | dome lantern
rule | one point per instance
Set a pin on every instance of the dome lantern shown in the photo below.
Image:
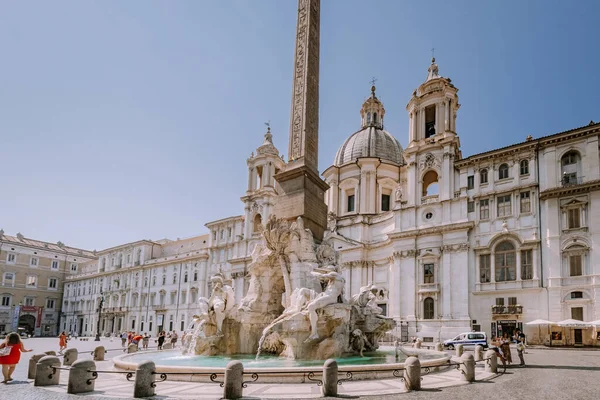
(372, 111)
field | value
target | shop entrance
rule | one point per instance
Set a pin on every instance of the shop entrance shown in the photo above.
(578, 336)
(28, 322)
(499, 328)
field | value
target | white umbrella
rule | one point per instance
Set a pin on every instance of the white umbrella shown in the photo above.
(594, 323)
(573, 323)
(540, 322)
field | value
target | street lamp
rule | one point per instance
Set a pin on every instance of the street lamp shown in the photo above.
(99, 315)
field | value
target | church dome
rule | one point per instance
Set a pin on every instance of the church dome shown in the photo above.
(371, 141)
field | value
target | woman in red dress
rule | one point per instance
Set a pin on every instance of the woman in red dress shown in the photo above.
(10, 361)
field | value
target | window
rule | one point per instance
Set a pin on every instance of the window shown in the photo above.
(524, 167)
(54, 265)
(470, 182)
(174, 278)
(5, 301)
(73, 267)
(527, 264)
(577, 295)
(9, 279)
(229, 232)
(525, 202)
(222, 234)
(11, 258)
(484, 209)
(470, 206)
(257, 222)
(570, 168)
(385, 202)
(575, 265)
(485, 271)
(350, 205)
(128, 258)
(164, 280)
(500, 301)
(429, 121)
(573, 218)
(52, 283)
(483, 176)
(29, 301)
(577, 313)
(430, 183)
(34, 261)
(428, 273)
(214, 235)
(504, 206)
(503, 171)
(428, 311)
(569, 158)
(195, 276)
(185, 277)
(505, 262)
(31, 281)
(512, 301)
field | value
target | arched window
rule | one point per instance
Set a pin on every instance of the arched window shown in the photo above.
(503, 171)
(570, 168)
(368, 118)
(428, 308)
(524, 167)
(483, 176)
(506, 262)
(257, 223)
(576, 295)
(374, 118)
(185, 278)
(576, 258)
(430, 183)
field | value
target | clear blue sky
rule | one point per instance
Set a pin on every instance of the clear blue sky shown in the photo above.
(124, 120)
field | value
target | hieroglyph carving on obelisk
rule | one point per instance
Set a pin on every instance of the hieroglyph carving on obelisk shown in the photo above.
(304, 129)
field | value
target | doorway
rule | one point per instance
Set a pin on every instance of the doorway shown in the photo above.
(27, 321)
(578, 336)
(80, 330)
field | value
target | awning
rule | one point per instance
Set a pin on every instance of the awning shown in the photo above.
(595, 323)
(573, 323)
(540, 322)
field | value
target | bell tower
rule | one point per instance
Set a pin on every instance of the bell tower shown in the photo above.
(432, 109)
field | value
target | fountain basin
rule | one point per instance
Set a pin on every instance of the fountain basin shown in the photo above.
(377, 365)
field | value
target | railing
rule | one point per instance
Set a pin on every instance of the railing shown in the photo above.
(571, 181)
(507, 309)
(430, 199)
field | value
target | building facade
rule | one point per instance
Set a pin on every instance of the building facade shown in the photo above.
(32, 275)
(486, 242)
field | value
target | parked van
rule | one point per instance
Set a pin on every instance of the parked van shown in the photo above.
(468, 340)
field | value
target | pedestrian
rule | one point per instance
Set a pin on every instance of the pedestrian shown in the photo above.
(174, 339)
(505, 347)
(62, 342)
(161, 339)
(129, 337)
(10, 354)
(145, 340)
(123, 339)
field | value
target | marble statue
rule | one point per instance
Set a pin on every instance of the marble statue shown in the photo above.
(222, 300)
(367, 298)
(398, 193)
(360, 342)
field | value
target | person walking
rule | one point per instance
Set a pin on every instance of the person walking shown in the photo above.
(123, 339)
(62, 342)
(174, 339)
(10, 354)
(161, 339)
(521, 348)
(505, 347)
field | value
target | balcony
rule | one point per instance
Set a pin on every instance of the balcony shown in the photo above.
(434, 198)
(571, 180)
(429, 287)
(504, 310)
(159, 307)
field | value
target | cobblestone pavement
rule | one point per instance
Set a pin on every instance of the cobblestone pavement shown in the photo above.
(550, 374)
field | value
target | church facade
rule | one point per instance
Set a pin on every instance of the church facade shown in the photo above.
(453, 244)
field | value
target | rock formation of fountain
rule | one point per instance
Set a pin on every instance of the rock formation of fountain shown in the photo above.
(295, 305)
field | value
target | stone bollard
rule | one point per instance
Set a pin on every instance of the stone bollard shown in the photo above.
(32, 365)
(80, 379)
(330, 378)
(144, 380)
(418, 344)
(460, 349)
(44, 375)
(467, 367)
(70, 356)
(132, 348)
(234, 376)
(478, 353)
(50, 353)
(439, 346)
(491, 364)
(99, 353)
(412, 373)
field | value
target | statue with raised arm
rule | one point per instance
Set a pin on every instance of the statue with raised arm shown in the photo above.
(332, 294)
(222, 299)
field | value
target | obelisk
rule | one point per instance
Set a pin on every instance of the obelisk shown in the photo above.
(301, 188)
